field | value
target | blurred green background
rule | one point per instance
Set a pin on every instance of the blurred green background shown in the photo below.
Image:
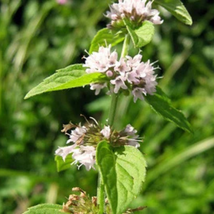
(38, 37)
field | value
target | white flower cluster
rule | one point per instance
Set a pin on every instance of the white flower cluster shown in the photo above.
(83, 153)
(135, 10)
(126, 73)
(130, 134)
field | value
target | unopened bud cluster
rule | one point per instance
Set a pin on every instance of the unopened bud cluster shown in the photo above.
(80, 203)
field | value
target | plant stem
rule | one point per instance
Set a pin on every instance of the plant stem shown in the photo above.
(114, 97)
(112, 111)
(125, 48)
(100, 194)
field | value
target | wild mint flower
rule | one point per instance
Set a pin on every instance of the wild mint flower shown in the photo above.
(97, 87)
(127, 73)
(77, 134)
(84, 140)
(84, 155)
(64, 151)
(106, 132)
(62, 1)
(129, 133)
(101, 61)
(136, 11)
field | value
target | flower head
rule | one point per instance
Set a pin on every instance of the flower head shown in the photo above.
(84, 140)
(130, 134)
(84, 155)
(101, 61)
(127, 73)
(106, 132)
(136, 11)
(62, 1)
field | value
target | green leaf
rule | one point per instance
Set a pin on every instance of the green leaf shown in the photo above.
(71, 67)
(142, 35)
(69, 77)
(162, 105)
(131, 32)
(45, 209)
(61, 164)
(123, 172)
(177, 9)
(105, 37)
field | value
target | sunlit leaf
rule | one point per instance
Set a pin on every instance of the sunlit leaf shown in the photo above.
(176, 8)
(162, 105)
(105, 37)
(142, 35)
(45, 209)
(61, 164)
(71, 68)
(69, 77)
(123, 171)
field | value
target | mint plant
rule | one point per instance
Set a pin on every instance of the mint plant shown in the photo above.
(113, 153)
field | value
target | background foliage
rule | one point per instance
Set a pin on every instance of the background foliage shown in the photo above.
(38, 37)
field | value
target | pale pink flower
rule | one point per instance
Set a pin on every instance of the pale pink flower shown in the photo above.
(135, 10)
(101, 61)
(138, 93)
(130, 130)
(106, 132)
(64, 151)
(130, 134)
(85, 139)
(122, 66)
(133, 142)
(119, 82)
(134, 61)
(129, 73)
(97, 87)
(77, 133)
(62, 1)
(84, 155)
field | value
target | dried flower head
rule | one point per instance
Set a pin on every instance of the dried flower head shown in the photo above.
(81, 203)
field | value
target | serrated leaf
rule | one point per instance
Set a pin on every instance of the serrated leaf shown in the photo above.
(176, 8)
(162, 105)
(142, 35)
(61, 164)
(71, 68)
(69, 77)
(145, 33)
(123, 172)
(105, 37)
(45, 209)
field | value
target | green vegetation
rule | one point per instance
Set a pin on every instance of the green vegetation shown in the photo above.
(39, 37)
